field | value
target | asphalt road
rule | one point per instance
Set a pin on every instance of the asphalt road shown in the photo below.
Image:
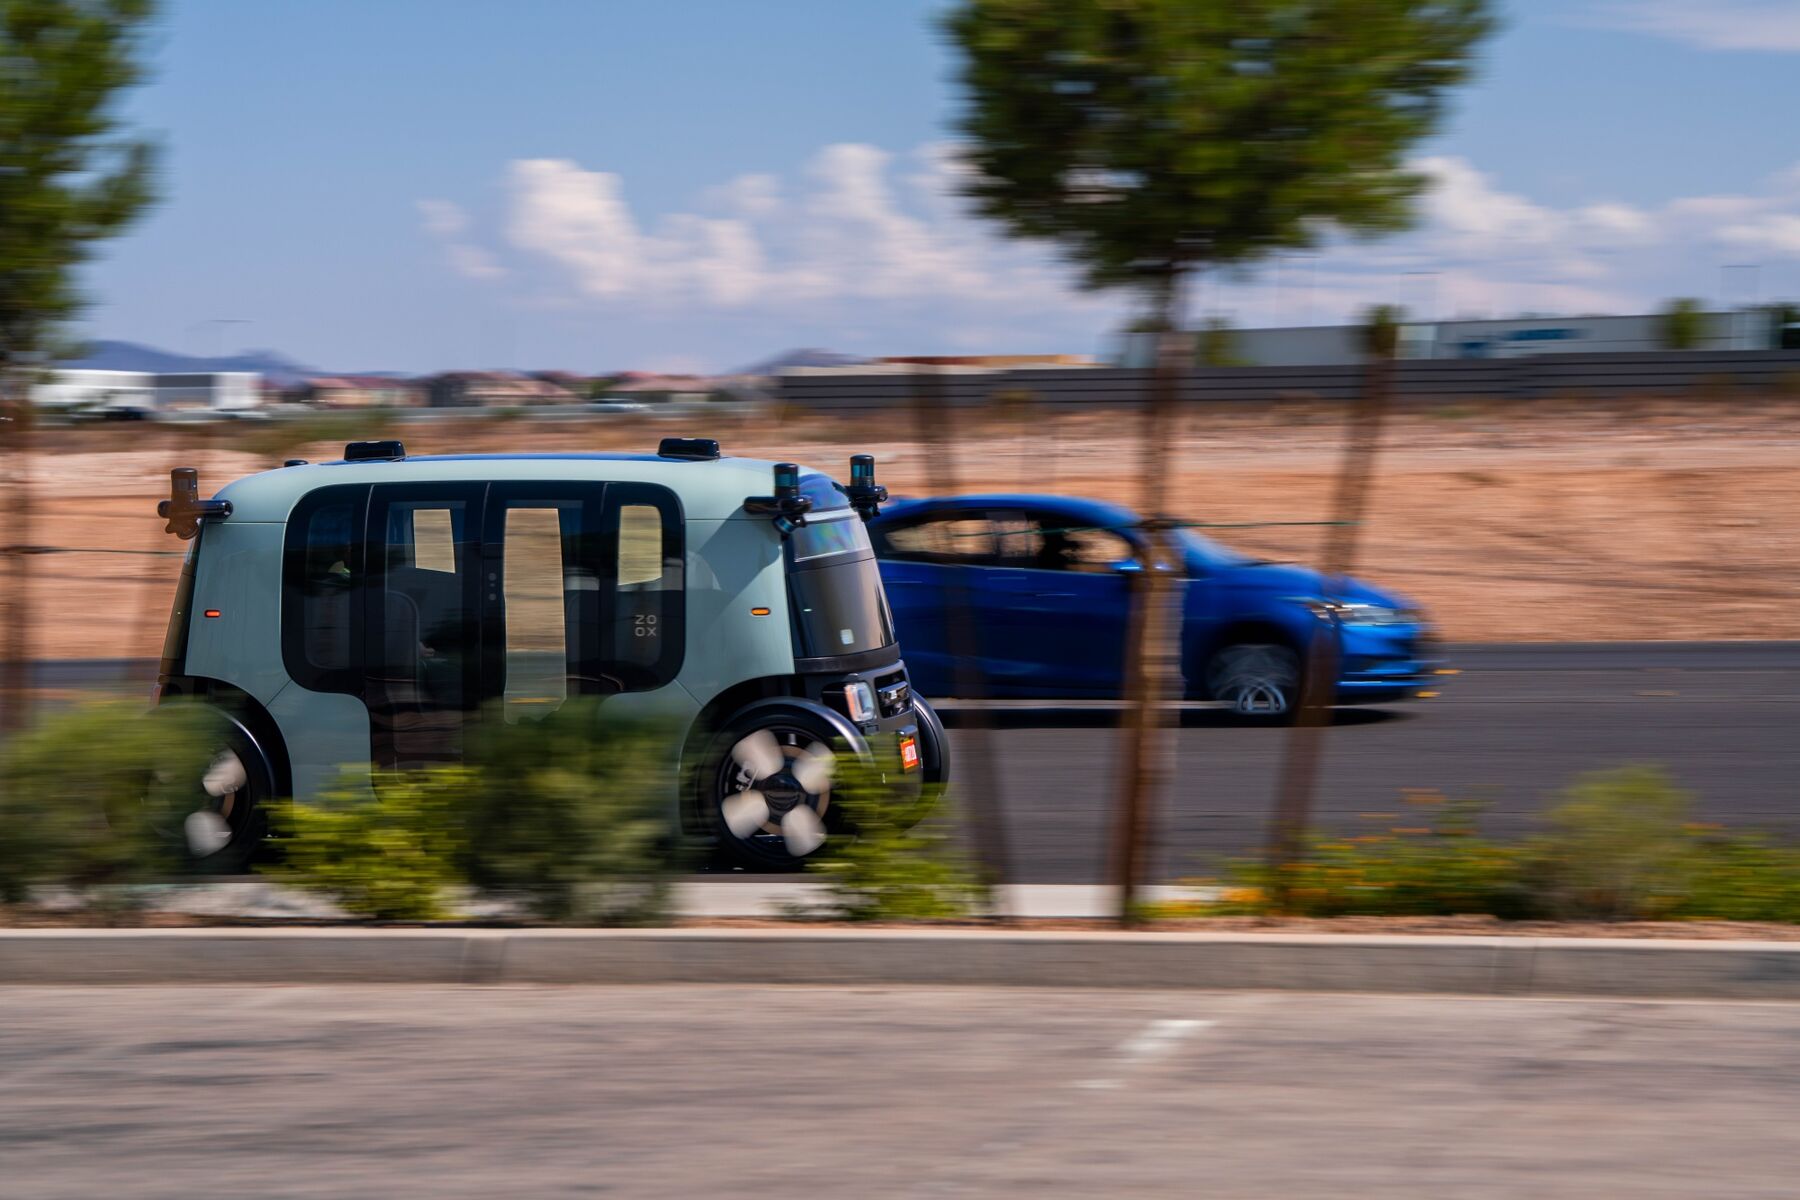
(1511, 730)
(1517, 724)
(749, 1092)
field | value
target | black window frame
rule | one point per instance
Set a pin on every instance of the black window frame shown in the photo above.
(483, 503)
(520, 493)
(384, 731)
(347, 680)
(608, 673)
(672, 622)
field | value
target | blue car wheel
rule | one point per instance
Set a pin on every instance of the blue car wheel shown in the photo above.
(1260, 681)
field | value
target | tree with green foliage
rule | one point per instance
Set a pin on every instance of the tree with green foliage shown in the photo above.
(1152, 140)
(1783, 330)
(1217, 344)
(1682, 324)
(69, 178)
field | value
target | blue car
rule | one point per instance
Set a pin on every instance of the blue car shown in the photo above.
(1045, 582)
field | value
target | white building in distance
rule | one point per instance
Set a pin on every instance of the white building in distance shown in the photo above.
(153, 392)
(1326, 345)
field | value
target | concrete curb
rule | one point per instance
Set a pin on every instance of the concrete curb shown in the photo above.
(1474, 966)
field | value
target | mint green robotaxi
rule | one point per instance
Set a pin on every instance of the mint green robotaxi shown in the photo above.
(374, 610)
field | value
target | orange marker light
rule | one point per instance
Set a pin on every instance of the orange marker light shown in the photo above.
(213, 612)
(759, 612)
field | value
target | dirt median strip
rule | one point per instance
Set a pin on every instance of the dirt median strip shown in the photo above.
(1663, 969)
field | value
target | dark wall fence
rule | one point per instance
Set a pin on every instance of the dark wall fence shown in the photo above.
(1705, 374)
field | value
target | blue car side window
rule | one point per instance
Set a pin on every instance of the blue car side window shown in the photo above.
(960, 539)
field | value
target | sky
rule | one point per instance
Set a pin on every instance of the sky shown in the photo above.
(695, 185)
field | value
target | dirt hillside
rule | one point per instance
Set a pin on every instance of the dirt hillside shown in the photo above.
(1541, 522)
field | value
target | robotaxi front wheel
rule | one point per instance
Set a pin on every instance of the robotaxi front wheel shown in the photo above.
(766, 781)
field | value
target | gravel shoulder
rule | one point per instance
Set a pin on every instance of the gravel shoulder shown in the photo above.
(764, 1092)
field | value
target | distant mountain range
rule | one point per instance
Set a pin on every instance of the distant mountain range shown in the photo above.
(282, 370)
(130, 356)
(801, 358)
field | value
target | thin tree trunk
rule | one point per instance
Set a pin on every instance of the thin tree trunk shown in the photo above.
(1305, 742)
(16, 639)
(153, 599)
(1152, 638)
(980, 767)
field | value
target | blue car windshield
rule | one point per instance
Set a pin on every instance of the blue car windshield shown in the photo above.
(1211, 554)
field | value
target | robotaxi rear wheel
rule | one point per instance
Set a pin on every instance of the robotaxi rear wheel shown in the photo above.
(215, 821)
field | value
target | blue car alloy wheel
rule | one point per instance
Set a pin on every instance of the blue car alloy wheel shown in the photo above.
(1258, 681)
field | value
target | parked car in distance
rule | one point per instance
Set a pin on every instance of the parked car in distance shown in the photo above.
(107, 413)
(1045, 582)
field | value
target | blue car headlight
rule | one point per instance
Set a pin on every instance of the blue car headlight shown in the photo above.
(1355, 613)
(1378, 614)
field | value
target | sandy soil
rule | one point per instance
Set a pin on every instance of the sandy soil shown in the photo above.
(1535, 522)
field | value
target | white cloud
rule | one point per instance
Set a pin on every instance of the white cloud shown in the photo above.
(1618, 224)
(1770, 233)
(865, 246)
(1709, 24)
(443, 219)
(449, 224)
(578, 218)
(1464, 206)
(852, 237)
(755, 195)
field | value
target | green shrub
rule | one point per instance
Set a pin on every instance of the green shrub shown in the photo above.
(1741, 878)
(1439, 869)
(73, 790)
(565, 813)
(1620, 847)
(896, 866)
(391, 852)
(569, 813)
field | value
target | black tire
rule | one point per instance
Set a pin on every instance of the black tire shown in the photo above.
(934, 761)
(934, 743)
(1261, 681)
(215, 824)
(736, 764)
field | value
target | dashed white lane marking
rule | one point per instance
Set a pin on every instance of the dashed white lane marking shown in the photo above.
(1153, 1041)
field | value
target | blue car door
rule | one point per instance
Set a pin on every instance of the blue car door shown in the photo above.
(1062, 602)
(937, 570)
